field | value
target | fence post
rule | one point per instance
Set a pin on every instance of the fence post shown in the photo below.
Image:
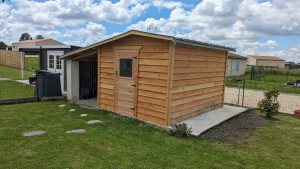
(238, 102)
(244, 82)
(22, 65)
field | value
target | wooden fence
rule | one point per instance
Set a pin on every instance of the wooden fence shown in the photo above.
(11, 58)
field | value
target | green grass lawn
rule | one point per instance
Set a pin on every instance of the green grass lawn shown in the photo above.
(32, 63)
(267, 82)
(14, 73)
(120, 142)
(12, 89)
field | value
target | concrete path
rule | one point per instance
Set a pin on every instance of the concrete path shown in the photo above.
(210, 119)
(2, 78)
(75, 131)
(24, 82)
(94, 121)
(88, 103)
(33, 133)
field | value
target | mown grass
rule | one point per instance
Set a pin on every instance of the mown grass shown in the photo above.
(14, 73)
(120, 142)
(12, 89)
(32, 63)
(266, 82)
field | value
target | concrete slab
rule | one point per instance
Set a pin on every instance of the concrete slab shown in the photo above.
(210, 119)
(2, 78)
(71, 110)
(75, 131)
(83, 115)
(33, 133)
(23, 81)
(88, 103)
(94, 121)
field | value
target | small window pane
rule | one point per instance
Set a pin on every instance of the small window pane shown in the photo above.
(125, 67)
(237, 65)
(51, 61)
(58, 62)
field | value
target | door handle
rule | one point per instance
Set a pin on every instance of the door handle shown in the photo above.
(133, 85)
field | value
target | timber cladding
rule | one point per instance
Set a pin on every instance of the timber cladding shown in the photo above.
(152, 79)
(198, 81)
(11, 58)
(172, 82)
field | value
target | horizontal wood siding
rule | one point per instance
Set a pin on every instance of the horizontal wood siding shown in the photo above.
(152, 81)
(107, 78)
(198, 81)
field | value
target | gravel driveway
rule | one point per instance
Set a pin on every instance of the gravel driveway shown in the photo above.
(288, 102)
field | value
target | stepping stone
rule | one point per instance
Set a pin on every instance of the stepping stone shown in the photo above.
(33, 133)
(62, 105)
(75, 131)
(72, 110)
(83, 115)
(93, 121)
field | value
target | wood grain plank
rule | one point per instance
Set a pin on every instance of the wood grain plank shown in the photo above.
(150, 55)
(160, 76)
(154, 62)
(145, 99)
(195, 103)
(155, 82)
(158, 69)
(152, 94)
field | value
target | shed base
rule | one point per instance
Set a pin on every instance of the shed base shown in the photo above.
(205, 121)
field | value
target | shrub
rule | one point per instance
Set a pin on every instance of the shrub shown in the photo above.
(180, 130)
(269, 105)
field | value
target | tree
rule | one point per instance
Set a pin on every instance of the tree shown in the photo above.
(2, 45)
(39, 37)
(25, 36)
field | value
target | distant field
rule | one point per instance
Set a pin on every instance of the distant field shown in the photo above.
(267, 82)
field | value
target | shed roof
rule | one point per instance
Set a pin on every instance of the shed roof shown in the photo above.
(152, 35)
(32, 41)
(236, 56)
(267, 58)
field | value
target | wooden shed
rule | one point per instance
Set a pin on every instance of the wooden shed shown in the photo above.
(162, 79)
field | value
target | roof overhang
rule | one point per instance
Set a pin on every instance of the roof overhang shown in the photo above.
(93, 48)
(47, 47)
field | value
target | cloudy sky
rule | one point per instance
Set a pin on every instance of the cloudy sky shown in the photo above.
(253, 27)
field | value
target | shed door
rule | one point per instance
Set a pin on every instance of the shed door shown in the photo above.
(56, 65)
(126, 76)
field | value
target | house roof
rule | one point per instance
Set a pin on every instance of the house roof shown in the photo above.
(32, 41)
(236, 56)
(267, 58)
(146, 34)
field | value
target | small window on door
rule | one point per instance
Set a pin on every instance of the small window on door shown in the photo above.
(51, 61)
(58, 62)
(125, 67)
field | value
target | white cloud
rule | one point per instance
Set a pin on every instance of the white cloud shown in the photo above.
(4, 10)
(166, 4)
(92, 33)
(270, 43)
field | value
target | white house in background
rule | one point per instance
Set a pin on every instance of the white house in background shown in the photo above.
(236, 65)
(35, 42)
(271, 61)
